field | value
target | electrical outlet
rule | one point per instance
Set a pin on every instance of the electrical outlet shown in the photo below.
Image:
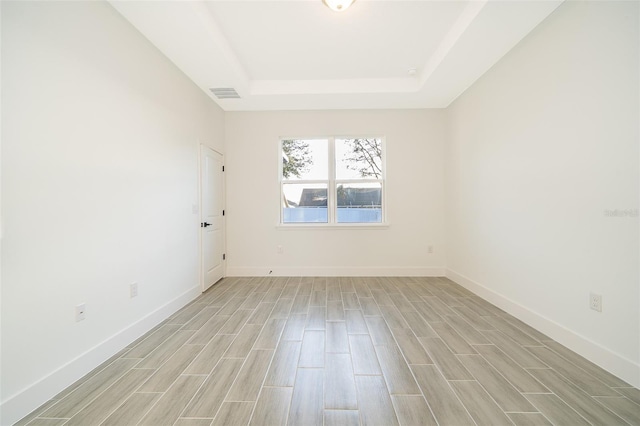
(430, 249)
(595, 302)
(81, 311)
(133, 289)
(280, 249)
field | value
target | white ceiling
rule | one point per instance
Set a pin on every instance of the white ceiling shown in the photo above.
(298, 54)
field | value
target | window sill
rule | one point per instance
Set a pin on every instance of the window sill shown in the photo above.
(333, 226)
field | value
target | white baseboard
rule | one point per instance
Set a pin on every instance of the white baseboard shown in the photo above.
(21, 404)
(625, 369)
(313, 271)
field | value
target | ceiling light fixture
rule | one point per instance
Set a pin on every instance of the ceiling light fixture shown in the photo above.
(338, 5)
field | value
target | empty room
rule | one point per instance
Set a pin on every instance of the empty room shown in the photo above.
(320, 212)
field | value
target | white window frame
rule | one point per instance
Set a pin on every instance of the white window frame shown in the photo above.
(332, 185)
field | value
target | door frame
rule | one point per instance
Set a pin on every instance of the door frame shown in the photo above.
(200, 220)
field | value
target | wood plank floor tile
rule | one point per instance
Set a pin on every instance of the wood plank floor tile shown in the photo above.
(475, 306)
(401, 303)
(313, 347)
(451, 367)
(306, 402)
(363, 355)
(240, 347)
(369, 306)
(289, 291)
(150, 343)
(283, 308)
(132, 410)
(272, 407)
(192, 422)
(381, 297)
(362, 290)
(187, 313)
(597, 372)
(466, 330)
(341, 418)
(234, 413)
(170, 370)
(517, 376)
(445, 405)
(350, 301)
(273, 295)
(318, 298)
(336, 335)
(392, 316)
(100, 408)
(525, 327)
(507, 397)
(632, 393)
(236, 321)
(301, 303)
(47, 422)
(34, 414)
(249, 380)
(335, 311)
(623, 407)
(427, 312)
(168, 408)
(379, 331)
(418, 325)
(298, 351)
(164, 351)
(339, 383)
(294, 328)
(84, 394)
(578, 376)
(355, 322)
(512, 331)
(262, 313)
(479, 404)
(529, 419)
(578, 400)
(453, 340)
(282, 371)
(474, 319)
(396, 372)
(346, 285)
(231, 306)
(253, 300)
(333, 293)
(270, 334)
(516, 352)
(554, 409)
(436, 305)
(412, 410)
(210, 396)
(411, 348)
(316, 318)
(201, 318)
(374, 402)
(208, 330)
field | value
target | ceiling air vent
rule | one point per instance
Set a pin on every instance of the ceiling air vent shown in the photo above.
(225, 93)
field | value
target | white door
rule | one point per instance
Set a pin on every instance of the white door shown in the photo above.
(211, 217)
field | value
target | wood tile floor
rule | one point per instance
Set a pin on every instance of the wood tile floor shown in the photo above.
(343, 351)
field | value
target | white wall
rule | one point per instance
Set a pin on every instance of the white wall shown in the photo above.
(414, 143)
(539, 148)
(99, 177)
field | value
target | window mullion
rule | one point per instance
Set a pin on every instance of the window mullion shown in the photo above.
(331, 191)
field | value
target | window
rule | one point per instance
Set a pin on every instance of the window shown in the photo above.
(332, 181)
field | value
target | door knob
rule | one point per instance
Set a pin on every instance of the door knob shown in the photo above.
(205, 224)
